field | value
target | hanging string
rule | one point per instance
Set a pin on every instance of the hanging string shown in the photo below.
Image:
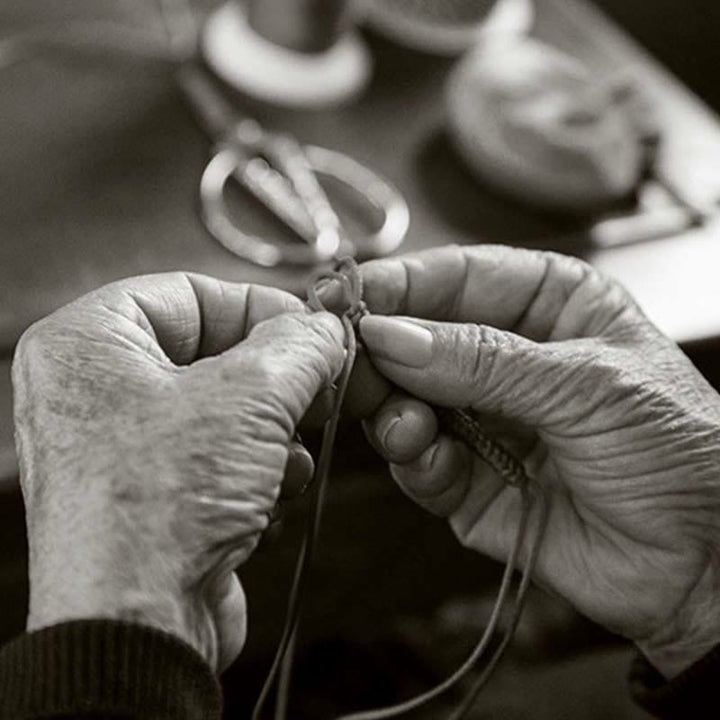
(477, 653)
(466, 427)
(312, 527)
(471, 696)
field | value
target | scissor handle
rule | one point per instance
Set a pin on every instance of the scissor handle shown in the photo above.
(217, 219)
(376, 191)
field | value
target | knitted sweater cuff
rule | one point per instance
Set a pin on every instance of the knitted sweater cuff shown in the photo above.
(694, 694)
(104, 667)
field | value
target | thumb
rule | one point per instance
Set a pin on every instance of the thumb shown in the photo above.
(468, 365)
(283, 364)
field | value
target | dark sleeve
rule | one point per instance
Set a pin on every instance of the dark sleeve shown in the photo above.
(105, 669)
(693, 695)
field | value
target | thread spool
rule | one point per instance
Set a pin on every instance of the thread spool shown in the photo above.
(292, 53)
(308, 26)
(535, 124)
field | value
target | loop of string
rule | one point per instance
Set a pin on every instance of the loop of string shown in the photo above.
(283, 658)
(466, 427)
(347, 276)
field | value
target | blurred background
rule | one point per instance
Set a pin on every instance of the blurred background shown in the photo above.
(101, 162)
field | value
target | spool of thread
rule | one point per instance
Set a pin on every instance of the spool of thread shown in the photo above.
(307, 26)
(536, 124)
(292, 53)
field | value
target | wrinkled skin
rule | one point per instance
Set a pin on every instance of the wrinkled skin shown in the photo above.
(610, 418)
(155, 421)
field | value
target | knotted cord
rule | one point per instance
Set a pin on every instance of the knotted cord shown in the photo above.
(466, 427)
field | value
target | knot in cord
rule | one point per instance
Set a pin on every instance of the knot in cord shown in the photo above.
(346, 275)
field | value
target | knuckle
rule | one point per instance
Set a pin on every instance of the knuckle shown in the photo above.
(474, 347)
(592, 302)
(264, 372)
(266, 296)
(480, 342)
(32, 346)
(573, 266)
(327, 335)
(31, 341)
(313, 341)
(570, 273)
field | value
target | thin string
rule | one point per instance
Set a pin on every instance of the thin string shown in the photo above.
(471, 662)
(347, 275)
(312, 527)
(466, 427)
(285, 678)
(534, 495)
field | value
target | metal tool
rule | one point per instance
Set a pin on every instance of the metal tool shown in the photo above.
(663, 210)
(283, 176)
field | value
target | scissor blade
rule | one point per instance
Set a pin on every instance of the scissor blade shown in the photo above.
(215, 114)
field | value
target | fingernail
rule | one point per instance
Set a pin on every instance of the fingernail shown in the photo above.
(426, 460)
(384, 428)
(399, 341)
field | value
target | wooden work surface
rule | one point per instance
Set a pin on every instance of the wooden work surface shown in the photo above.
(101, 161)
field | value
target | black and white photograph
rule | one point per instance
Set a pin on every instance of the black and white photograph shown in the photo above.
(359, 359)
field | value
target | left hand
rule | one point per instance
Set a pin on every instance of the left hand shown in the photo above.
(155, 421)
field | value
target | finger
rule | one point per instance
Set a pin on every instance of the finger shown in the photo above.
(488, 518)
(227, 599)
(366, 391)
(319, 411)
(405, 427)
(367, 388)
(467, 365)
(281, 366)
(299, 471)
(192, 316)
(402, 429)
(439, 479)
(270, 536)
(541, 295)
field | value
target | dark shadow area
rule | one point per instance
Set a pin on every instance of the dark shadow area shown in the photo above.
(465, 204)
(13, 564)
(683, 35)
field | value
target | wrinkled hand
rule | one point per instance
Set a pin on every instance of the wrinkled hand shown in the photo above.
(155, 420)
(606, 413)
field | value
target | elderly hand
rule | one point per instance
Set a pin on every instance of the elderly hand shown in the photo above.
(606, 413)
(155, 421)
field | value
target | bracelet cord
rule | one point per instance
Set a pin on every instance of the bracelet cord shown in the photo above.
(462, 424)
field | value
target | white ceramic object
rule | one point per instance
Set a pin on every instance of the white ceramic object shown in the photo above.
(535, 124)
(253, 65)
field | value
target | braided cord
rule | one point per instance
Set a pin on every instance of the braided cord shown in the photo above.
(463, 425)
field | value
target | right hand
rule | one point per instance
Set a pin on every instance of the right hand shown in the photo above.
(609, 417)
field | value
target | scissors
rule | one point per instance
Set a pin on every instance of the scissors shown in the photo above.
(284, 176)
